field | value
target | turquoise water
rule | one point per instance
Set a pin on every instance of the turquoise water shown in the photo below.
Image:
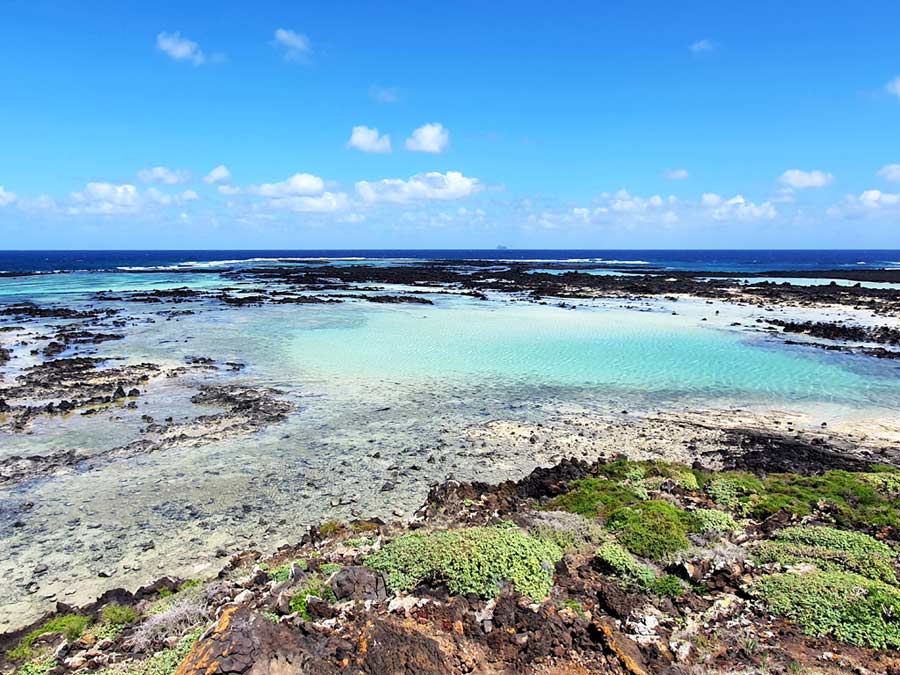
(609, 350)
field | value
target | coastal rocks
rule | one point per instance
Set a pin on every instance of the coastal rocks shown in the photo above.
(359, 583)
(18, 469)
(246, 643)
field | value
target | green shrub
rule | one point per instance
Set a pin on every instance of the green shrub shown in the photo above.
(626, 567)
(831, 549)
(470, 560)
(733, 489)
(330, 527)
(652, 529)
(593, 497)
(37, 667)
(314, 587)
(667, 585)
(329, 568)
(118, 615)
(710, 521)
(843, 605)
(71, 626)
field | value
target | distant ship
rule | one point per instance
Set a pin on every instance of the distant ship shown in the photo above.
(501, 247)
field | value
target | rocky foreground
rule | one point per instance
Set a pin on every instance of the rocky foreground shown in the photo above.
(783, 561)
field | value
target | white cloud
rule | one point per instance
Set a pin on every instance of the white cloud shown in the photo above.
(424, 186)
(890, 172)
(893, 87)
(869, 203)
(702, 47)
(327, 202)
(220, 174)
(163, 198)
(297, 185)
(383, 94)
(432, 138)
(105, 198)
(115, 199)
(739, 209)
(676, 174)
(366, 139)
(296, 45)
(6, 197)
(229, 190)
(795, 178)
(180, 48)
(623, 210)
(160, 174)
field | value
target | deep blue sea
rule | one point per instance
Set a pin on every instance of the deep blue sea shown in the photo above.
(688, 260)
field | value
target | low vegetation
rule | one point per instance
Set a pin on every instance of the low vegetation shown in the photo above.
(470, 560)
(71, 626)
(844, 605)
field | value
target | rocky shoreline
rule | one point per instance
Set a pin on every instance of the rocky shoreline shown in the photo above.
(617, 566)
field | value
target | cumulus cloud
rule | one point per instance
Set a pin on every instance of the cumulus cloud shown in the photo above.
(797, 179)
(229, 190)
(432, 138)
(220, 174)
(893, 87)
(300, 184)
(180, 48)
(327, 202)
(7, 197)
(624, 210)
(383, 94)
(739, 209)
(890, 172)
(115, 199)
(702, 47)
(423, 186)
(295, 46)
(368, 140)
(869, 204)
(166, 199)
(676, 174)
(161, 174)
(105, 198)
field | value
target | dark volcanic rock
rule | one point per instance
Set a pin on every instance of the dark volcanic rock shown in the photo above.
(244, 642)
(358, 583)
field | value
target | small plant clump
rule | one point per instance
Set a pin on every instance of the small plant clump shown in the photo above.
(330, 527)
(653, 529)
(593, 497)
(849, 607)
(71, 626)
(315, 587)
(163, 662)
(625, 566)
(330, 568)
(713, 521)
(40, 666)
(283, 572)
(470, 560)
(114, 618)
(831, 549)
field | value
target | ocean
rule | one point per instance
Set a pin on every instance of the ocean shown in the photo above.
(686, 260)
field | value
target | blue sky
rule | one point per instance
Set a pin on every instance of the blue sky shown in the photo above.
(652, 124)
